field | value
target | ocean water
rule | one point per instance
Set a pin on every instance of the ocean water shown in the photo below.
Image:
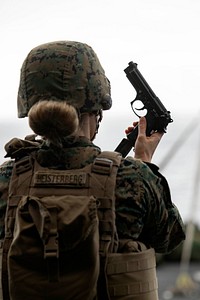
(178, 154)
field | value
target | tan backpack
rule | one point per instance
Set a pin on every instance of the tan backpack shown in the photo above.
(60, 238)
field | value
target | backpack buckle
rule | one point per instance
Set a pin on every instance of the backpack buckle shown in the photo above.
(51, 248)
(51, 254)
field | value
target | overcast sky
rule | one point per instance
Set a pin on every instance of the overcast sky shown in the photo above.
(162, 36)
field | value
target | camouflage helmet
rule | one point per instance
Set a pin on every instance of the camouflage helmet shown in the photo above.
(63, 71)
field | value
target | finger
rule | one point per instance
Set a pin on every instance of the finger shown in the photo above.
(135, 124)
(128, 130)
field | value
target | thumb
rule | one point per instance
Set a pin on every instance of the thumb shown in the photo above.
(142, 126)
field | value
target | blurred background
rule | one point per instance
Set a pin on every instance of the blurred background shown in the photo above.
(160, 36)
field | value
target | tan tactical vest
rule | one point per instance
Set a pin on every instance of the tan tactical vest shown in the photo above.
(34, 190)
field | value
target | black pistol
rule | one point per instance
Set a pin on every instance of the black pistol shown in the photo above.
(156, 115)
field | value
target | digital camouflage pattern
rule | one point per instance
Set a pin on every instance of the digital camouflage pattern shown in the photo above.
(144, 210)
(63, 71)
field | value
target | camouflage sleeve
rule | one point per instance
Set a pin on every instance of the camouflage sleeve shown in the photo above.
(5, 174)
(144, 208)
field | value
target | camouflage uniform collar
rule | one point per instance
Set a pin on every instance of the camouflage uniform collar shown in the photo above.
(72, 156)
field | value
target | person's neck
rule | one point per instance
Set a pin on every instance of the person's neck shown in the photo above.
(85, 126)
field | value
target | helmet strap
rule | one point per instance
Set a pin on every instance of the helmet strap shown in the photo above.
(99, 117)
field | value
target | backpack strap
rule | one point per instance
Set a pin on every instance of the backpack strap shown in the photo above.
(104, 170)
(24, 168)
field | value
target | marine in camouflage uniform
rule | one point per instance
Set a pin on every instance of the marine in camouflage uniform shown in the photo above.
(144, 208)
(71, 72)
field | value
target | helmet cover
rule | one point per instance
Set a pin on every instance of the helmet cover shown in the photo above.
(63, 71)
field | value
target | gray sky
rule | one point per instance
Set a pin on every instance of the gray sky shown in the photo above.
(160, 35)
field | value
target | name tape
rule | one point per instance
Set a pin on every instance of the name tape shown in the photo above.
(60, 178)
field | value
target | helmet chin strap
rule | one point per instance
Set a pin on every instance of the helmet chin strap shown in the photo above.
(99, 116)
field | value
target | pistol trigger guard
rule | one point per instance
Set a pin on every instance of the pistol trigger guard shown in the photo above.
(136, 113)
(142, 108)
(135, 109)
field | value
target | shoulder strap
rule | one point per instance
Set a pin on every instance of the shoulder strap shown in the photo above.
(22, 173)
(104, 170)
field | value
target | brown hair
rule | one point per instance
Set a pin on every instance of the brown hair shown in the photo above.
(53, 120)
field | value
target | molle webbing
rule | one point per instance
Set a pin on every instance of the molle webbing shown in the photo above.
(132, 275)
(104, 170)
